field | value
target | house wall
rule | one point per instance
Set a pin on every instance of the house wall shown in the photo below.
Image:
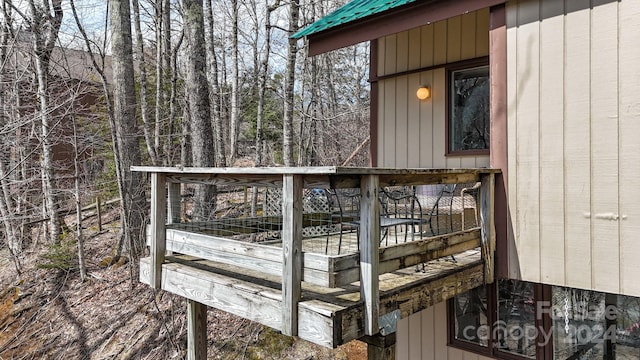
(423, 336)
(573, 142)
(412, 132)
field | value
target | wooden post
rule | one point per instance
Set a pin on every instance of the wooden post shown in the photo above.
(157, 227)
(487, 226)
(380, 347)
(369, 246)
(196, 330)
(99, 213)
(291, 251)
(174, 212)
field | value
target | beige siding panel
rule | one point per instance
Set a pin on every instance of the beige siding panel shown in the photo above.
(577, 171)
(402, 340)
(468, 36)
(401, 122)
(438, 98)
(467, 162)
(527, 147)
(389, 129)
(390, 55)
(381, 55)
(381, 123)
(426, 45)
(512, 118)
(604, 147)
(415, 336)
(440, 42)
(551, 144)
(629, 55)
(482, 33)
(483, 161)
(402, 51)
(453, 162)
(454, 28)
(440, 317)
(428, 334)
(455, 354)
(414, 123)
(415, 48)
(426, 124)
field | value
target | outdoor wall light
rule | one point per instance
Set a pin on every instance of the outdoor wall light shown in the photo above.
(423, 93)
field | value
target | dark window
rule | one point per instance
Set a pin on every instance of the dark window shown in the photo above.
(469, 123)
(518, 320)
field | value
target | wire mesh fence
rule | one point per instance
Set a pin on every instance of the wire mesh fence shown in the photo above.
(331, 217)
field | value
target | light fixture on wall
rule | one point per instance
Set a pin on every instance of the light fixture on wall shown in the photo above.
(423, 93)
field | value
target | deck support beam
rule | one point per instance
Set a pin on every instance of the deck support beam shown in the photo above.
(487, 226)
(292, 206)
(369, 242)
(196, 330)
(380, 347)
(158, 231)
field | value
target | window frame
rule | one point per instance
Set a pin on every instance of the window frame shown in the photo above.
(449, 70)
(541, 293)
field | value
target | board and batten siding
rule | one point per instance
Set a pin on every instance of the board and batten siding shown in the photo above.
(574, 142)
(412, 132)
(423, 336)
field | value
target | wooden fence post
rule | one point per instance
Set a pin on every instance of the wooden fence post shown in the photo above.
(99, 213)
(196, 330)
(487, 225)
(369, 251)
(158, 231)
(292, 186)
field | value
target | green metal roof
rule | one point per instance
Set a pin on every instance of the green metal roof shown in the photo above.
(353, 10)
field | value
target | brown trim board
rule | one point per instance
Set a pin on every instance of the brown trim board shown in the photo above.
(390, 22)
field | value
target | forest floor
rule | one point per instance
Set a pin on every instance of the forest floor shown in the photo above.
(46, 312)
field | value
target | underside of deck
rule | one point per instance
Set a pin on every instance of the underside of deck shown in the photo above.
(326, 316)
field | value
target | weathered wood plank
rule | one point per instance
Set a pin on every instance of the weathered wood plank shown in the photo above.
(330, 316)
(488, 229)
(369, 243)
(158, 220)
(292, 208)
(196, 330)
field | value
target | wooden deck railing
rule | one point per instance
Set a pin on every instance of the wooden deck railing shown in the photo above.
(287, 258)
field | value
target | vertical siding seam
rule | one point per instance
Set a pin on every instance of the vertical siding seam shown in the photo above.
(620, 259)
(539, 61)
(564, 142)
(591, 224)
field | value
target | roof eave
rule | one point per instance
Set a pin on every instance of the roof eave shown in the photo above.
(390, 22)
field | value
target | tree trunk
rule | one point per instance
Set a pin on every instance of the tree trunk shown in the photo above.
(45, 33)
(292, 50)
(214, 82)
(144, 102)
(124, 113)
(199, 106)
(76, 167)
(234, 126)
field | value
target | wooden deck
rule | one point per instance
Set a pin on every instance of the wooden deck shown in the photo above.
(326, 316)
(328, 298)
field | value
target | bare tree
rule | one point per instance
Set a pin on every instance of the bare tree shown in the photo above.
(144, 101)
(45, 24)
(289, 80)
(198, 99)
(234, 126)
(214, 82)
(124, 112)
